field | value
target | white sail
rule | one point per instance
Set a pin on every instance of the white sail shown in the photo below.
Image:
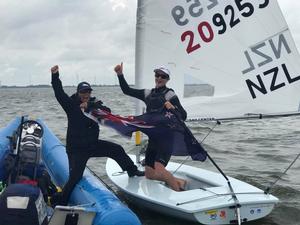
(243, 48)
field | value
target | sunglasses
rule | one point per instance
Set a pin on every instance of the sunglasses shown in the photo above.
(162, 76)
(85, 91)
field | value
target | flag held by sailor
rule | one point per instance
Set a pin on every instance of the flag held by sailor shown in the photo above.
(164, 127)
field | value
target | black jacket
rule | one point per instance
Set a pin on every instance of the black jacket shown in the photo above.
(82, 132)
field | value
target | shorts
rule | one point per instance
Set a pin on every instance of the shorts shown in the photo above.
(157, 152)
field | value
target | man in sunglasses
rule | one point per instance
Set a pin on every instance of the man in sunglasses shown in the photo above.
(156, 100)
(82, 135)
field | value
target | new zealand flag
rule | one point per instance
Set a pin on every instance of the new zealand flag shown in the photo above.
(163, 127)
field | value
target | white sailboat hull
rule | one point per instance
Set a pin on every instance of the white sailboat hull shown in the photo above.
(207, 198)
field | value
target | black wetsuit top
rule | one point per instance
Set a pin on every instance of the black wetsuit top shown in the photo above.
(82, 140)
(153, 100)
(82, 132)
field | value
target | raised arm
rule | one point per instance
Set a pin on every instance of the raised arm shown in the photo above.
(63, 99)
(137, 93)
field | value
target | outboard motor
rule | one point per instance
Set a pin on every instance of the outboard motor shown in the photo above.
(24, 160)
(29, 152)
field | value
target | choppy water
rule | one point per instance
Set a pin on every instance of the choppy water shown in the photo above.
(253, 151)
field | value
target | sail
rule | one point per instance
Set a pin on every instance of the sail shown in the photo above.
(242, 48)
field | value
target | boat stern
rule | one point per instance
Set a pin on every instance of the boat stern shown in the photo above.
(227, 215)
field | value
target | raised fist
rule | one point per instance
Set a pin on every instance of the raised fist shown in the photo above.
(54, 69)
(119, 69)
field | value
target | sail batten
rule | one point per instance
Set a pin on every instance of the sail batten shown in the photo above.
(272, 36)
(243, 49)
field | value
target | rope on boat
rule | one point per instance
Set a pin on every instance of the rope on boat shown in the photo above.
(268, 189)
(216, 196)
(237, 205)
(185, 160)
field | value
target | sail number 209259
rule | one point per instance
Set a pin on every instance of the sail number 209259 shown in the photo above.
(220, 22)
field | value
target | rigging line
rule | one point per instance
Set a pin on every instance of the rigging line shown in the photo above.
(191, 134)
(237, 204)
(216, 196)
(236, 201)
(185, 160)
(268, 189)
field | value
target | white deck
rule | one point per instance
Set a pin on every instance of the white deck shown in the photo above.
(206, 200)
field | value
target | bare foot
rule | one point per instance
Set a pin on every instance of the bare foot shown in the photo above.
(182, 184)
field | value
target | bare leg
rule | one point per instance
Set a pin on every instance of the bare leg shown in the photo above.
(160, 173)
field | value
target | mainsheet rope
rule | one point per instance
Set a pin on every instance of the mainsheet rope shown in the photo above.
(268, 189)
(185, 160)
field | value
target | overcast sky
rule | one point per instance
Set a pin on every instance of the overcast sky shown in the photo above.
(86, 38)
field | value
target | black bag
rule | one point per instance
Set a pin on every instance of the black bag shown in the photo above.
(22, 204)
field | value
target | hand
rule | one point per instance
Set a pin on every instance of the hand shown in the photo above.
(169, 105)
(84, 105)
(119, 69)
(54, 69)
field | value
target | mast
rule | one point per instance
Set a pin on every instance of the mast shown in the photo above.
(139, 50)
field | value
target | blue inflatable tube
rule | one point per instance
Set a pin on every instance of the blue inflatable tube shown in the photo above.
(89, 192)
(4, 141)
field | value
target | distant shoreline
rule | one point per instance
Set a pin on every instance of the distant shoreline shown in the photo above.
(93, 85)
(49, 86)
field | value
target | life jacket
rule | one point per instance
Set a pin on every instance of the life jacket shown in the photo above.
(156, 98)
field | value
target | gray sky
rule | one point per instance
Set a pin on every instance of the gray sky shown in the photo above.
(86, 38)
